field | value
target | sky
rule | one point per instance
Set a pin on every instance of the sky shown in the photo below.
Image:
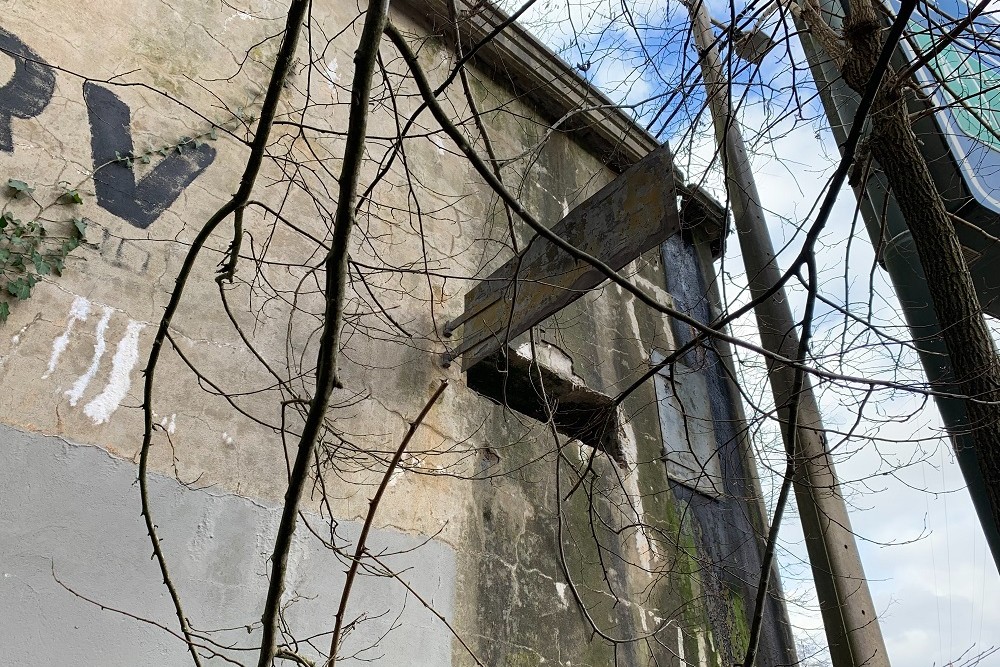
(931, 575)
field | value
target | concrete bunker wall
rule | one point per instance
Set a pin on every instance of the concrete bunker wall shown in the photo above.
(144, 111)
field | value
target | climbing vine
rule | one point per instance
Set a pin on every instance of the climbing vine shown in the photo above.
(35, 248)
(181, 145)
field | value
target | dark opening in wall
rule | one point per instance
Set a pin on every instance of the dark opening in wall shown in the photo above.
(578, 412)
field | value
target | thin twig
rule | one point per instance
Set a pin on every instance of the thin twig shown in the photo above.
(941, 44)
(871, 91)
(281, 68)
(708, 329)
(369, 519)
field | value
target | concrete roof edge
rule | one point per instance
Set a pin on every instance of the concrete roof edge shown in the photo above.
(552, 86)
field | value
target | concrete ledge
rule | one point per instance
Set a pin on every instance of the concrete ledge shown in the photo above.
(552, 86)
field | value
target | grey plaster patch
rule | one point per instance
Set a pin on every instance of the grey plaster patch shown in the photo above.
(72, 512)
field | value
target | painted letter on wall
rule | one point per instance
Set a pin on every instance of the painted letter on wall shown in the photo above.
(27, 92)
(139, 202)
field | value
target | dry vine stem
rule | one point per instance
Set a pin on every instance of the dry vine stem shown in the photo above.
(336, 266)
(359, 550)
(286, 54)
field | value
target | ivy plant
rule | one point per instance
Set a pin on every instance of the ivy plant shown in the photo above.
(181, 145)
(32, 249)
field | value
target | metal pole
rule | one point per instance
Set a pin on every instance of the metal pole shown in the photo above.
(849, 617)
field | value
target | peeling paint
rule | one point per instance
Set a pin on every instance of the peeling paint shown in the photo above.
(332, 74)
(630, 484)
(438, 143)
(702, 653)
(561, 592)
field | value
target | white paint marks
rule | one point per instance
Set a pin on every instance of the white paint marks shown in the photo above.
(227, 439)
(103, 406)
(702, 653)
(332, 73)
(643, 622)
(397, 474)
(644, 546)
(680, 647)
(15, 340)
(79, 310)
(99, 346)
(169, 424)
(241, 15)
(438, 141)
(119, 379)
(561, 592)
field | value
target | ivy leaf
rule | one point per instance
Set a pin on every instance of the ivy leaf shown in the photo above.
(4, 255)
(212, 134)
(4, 311)
(19, 187)
(6, 219)
(71, 197)
(19, 288)
(80, 225)
(41, 266)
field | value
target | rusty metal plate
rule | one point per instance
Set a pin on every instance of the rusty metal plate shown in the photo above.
(635, 212)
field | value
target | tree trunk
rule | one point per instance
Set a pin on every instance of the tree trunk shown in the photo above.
(970, 347)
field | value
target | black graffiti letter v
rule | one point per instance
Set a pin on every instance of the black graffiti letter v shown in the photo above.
(139, 202)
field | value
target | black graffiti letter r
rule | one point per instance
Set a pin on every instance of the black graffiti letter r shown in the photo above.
(28, 91)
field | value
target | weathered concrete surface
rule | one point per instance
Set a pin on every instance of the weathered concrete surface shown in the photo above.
(479, 482)
(69, 520)
(732, 563)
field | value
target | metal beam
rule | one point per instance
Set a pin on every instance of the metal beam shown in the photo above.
(634, 213)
